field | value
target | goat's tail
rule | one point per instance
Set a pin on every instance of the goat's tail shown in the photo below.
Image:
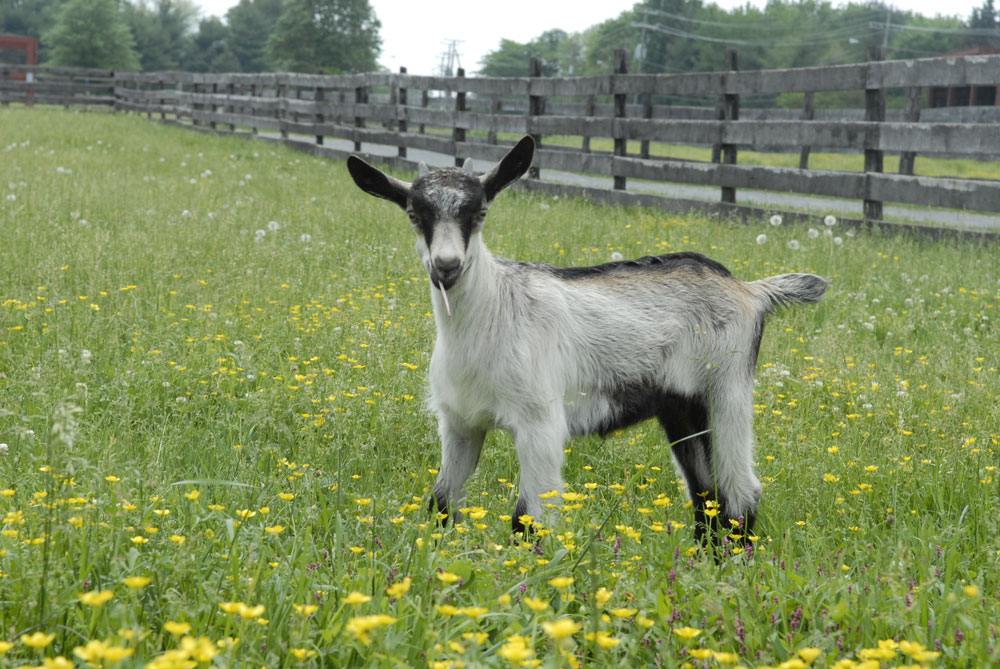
(785, 289)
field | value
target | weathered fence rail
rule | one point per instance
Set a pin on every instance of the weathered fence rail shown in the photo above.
(641, 118)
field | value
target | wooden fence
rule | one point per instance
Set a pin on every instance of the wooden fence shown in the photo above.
(621, 126)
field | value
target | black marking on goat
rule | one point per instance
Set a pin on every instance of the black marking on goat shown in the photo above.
(758, 334)
(516, 525)
(439, 504)
(670, 262)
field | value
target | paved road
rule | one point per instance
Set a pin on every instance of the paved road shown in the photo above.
(756, 198)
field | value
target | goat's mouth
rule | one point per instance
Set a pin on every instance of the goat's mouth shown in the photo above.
(445, 280)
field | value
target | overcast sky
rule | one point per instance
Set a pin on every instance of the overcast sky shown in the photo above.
(416, 33)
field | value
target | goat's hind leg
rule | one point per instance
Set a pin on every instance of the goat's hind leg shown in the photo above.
(739, 489)
(685, 422)
(460, 448)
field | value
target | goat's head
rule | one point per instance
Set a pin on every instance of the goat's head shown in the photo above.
(446, 206)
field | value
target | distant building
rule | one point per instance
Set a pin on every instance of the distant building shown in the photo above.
(965, 96)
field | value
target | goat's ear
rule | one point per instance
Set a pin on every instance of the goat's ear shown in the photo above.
(513, 165)
(376, 182)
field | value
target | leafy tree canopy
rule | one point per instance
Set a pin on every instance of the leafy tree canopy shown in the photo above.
(92, 33)
(330, 36)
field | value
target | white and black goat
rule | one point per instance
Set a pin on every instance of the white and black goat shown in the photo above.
(550, 352)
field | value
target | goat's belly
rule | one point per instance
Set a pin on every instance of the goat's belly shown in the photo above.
(587, 413)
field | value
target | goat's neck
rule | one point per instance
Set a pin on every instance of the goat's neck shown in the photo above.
(473, 299)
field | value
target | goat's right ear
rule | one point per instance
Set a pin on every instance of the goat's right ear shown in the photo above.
(376, 182)
(513, 165)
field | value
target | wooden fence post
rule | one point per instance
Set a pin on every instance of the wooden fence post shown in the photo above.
(731, 112)
(621, 143)
(318, 97)
(647, 113)
(282, 93)
(401, 114)
(874, 113)
(591, 111)
(425, 102)
(253, 94)
(457, 133)
(808, 114)
(360, 95)
(495, 108)
(214, 107)
(911, 114)
(536, 107)
(230, 108)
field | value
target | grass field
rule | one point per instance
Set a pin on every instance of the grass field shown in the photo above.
(212, 366)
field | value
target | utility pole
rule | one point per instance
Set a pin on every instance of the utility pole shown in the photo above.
(450, 59)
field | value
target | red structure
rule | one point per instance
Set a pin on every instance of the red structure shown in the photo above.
(16, 44)
(965, 96)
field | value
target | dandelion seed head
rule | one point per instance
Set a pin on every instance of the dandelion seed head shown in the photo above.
(776, 220)
(761, 239)
(830, 221)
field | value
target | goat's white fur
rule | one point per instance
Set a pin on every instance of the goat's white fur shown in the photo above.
(546, 354)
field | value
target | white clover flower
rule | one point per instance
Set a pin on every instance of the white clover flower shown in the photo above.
(273, 226)
(305, 238)
(776, 220)
(793, 244)
(813, 233)
(616, 256)
(761, 239)
(186, 213)
(830, 220)
(4, 449)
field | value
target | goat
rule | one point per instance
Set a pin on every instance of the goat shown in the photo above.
(550, 352)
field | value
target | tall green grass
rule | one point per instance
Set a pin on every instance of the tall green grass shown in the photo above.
(212, 367)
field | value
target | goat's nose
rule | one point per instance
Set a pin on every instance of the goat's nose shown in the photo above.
(447, 265)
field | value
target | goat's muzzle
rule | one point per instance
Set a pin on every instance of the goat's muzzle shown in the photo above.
(445, 272)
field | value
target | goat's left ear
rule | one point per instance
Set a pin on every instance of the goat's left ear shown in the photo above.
(376, 182)
(513, 165)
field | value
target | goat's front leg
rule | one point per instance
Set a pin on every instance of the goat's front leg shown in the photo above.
(539, 446)
(460, 448)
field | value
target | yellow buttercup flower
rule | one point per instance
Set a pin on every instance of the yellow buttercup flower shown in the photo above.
(176, 628)
(399, 588)
(535, 604)
(686, 633)
(37, 640)
(356, 598)
(306, 609)
(137, 582)
(96, 598)
(562, 628)
(561, 582)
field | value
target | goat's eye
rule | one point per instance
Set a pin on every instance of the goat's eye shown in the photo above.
(413, 218)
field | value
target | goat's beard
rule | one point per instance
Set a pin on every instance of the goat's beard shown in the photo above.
(444, 295)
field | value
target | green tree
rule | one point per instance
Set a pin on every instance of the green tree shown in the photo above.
(208, 50)
(332, 36)
(161, 29)
(92, 33)
(250, 24)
